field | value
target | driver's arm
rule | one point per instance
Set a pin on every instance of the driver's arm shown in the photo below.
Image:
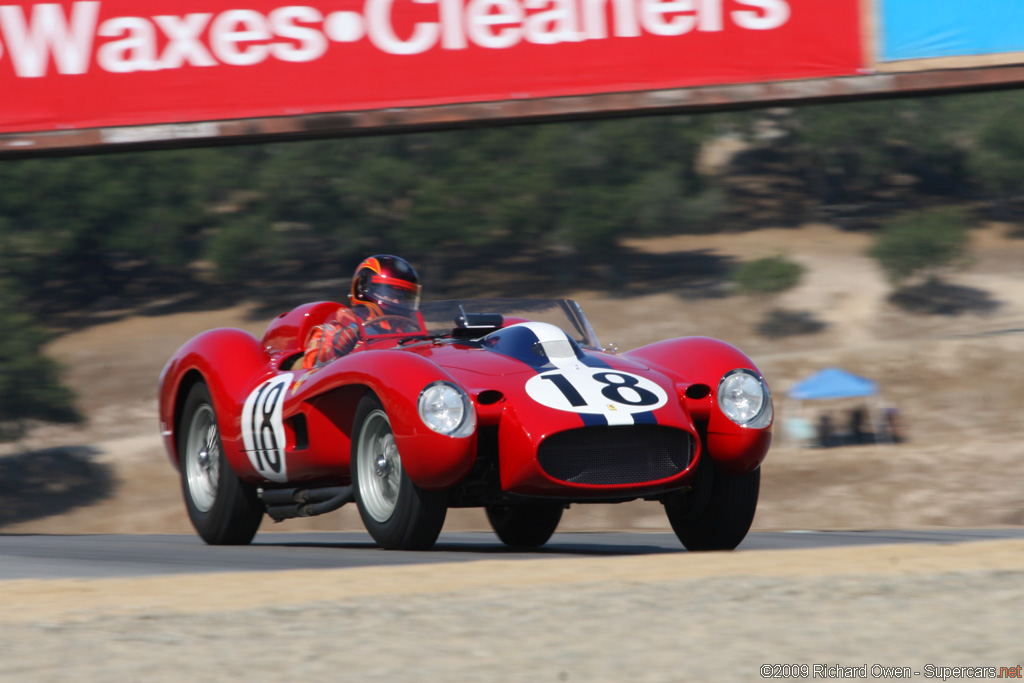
(333, 339)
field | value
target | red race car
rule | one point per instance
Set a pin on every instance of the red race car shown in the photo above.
(506, 404)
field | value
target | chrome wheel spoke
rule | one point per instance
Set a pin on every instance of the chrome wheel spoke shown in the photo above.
(379, 467)
(202, 458)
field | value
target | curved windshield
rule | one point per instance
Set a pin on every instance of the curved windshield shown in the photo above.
(440, 316)
(391, 324)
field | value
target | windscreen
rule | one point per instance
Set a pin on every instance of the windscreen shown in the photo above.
(439, 316)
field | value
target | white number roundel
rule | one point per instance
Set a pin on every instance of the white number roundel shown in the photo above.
(596, 391)
(263, 429)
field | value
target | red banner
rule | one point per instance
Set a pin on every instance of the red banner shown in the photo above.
(94, 63)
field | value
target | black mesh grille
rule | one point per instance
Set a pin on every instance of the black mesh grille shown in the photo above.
(616, 455)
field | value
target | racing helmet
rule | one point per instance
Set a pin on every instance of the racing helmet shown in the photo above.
(389, 282)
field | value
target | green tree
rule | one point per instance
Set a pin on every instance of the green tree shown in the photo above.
(920, 242)
(69, 227)
(30, 387)
(848, 151)
(572, 188)
(997, 161)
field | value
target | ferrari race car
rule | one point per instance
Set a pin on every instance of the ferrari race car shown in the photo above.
(506, 404)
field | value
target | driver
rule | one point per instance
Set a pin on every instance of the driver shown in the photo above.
(383, 286)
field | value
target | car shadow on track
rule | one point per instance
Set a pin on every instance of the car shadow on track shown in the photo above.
(477, 544)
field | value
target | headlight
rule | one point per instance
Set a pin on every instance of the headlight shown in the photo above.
(744, 398)
(446, 409)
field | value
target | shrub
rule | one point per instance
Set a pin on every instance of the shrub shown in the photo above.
(920, 242)
(767, 275)
(780, 322)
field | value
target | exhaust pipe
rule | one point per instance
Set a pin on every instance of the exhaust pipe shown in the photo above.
(290, 503)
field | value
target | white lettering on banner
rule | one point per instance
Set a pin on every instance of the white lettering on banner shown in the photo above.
(134, 52)
(626, 24)
(237, 26)
(453, 35)
(382, 34)
(559, 24)
(184, 40)
(594, 25)
(493, 23)
(775, 14)
(344, 27)
(653, 17)
(284, 22)
(49, 33)
(710, 15)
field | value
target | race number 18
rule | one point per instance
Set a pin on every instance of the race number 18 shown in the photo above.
(595, 391)
(263, 428)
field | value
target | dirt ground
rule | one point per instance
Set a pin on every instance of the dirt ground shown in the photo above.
(667, 618)
(955, 380)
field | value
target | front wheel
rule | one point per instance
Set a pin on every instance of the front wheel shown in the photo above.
(224, 509)
(398, 514)
(719, 517)
(527, 525)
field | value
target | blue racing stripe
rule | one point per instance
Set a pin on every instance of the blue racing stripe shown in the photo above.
(647, 418)
(592, 420)
(517, 342)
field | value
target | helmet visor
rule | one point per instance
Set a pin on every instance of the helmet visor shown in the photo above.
(394, 292)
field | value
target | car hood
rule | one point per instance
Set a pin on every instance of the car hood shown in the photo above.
(578, 388)
(480, 360)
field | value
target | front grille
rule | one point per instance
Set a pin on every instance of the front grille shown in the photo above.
(616, 455)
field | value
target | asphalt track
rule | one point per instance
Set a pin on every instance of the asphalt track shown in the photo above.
(109, 556)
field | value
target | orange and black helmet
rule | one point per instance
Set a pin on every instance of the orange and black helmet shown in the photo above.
(388, 281)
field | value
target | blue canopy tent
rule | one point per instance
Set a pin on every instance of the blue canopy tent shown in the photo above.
(830, 383)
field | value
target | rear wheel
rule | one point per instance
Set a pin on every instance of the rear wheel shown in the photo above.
(717, 518)
(525, 526)
(398, 514)
(224, 510)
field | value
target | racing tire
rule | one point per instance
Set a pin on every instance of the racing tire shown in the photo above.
(223, 509)
(722, 515)
(525, 526)
(397, 513)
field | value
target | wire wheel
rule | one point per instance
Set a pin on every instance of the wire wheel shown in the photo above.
(224, 509)
(397, 513)
(379, 467)
(202, 458)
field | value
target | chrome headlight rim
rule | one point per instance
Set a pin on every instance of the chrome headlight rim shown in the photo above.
(763, 417)
(465, 426)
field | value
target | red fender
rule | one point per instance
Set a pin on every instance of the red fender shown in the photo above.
(700, 363)
(432, 460)
(287, 333)
(231, 362)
